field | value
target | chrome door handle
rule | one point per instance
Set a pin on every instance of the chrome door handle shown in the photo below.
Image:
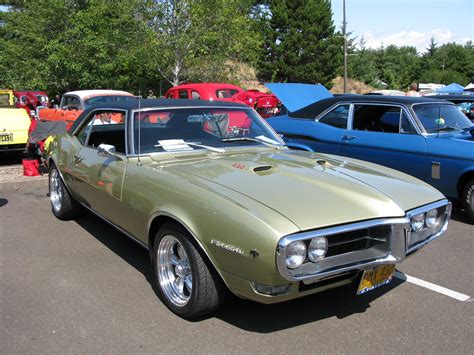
(78, 158)
(347, 137)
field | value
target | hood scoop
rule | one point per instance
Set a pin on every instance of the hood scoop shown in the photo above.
(263, 170)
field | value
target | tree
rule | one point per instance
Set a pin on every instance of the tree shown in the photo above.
(300, 44)
(198, 38)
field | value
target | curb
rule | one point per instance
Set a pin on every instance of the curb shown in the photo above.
(34, 182)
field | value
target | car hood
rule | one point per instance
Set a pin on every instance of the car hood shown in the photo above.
(312, 190)
(296, 96)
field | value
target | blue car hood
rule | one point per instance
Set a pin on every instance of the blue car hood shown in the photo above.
(297, 96)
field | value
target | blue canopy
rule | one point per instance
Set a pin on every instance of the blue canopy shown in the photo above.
(451, 89)
(297, 96)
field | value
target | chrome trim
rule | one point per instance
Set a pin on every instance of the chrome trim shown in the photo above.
(394, 252)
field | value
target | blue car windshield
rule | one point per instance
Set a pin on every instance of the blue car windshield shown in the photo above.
(441, 118)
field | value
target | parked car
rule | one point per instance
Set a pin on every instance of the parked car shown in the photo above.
(464, 102)
(235, 210)
(6, 98)
(30, 100)
(424, 137)
(14, 123)
(74, 102)
(265, 104)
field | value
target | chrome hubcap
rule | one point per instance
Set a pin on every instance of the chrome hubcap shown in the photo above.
(55, 193)
(174, 271)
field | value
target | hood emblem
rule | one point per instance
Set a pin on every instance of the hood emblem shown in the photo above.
(239, 166)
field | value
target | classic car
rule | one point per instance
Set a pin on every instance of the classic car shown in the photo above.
(424, 137)
(6, 98)
(222, 208)
(464, 102)
(14, 123)
(74, 102)
(265, 104)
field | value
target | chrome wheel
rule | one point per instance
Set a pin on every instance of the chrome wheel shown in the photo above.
(174, 271)
(55, 191)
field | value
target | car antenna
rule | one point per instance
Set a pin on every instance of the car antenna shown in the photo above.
(139, 131)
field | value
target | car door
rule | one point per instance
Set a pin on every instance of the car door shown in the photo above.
(385, 134)
(98, 177)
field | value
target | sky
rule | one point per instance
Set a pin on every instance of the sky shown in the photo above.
(407, 22)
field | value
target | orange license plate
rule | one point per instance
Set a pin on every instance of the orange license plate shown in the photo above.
(375, 277)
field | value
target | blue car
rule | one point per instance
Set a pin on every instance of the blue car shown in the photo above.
(424, 137)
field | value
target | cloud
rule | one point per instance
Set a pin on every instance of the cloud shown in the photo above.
(420, 40)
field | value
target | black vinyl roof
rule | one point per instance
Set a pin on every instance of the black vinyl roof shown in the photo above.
(456, 98)
(153, 103)
(313, 110)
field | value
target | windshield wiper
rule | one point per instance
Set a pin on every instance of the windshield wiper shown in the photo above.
(249, 139)
(197, 144)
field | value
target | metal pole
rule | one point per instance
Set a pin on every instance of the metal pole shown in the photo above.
(345, 43)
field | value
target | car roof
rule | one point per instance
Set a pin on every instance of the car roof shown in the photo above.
(466, 97)
(85, 94)
(154, 103)
(207, 85)
(316, 108)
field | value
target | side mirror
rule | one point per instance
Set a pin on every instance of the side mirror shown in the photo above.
(107, 150)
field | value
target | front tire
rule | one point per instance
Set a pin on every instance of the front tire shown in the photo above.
(184, 280)
(468, 200)
(63, 205)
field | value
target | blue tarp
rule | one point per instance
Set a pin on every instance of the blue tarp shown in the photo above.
(451, 89)
(297, 96)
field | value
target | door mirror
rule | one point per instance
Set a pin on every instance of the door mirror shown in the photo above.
(106, 150)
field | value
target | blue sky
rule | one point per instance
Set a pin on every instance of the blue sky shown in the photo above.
(407, 22)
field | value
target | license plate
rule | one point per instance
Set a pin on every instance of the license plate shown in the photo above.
(6, 137)
(375, 277)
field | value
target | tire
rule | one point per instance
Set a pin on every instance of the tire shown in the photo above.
(183, 278)
(468, 200)
(63, 205)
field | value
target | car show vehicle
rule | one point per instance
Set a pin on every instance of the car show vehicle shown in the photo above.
(14, 124)
(265, 104)
(74, 102)
(424, 137)
(6, 98)
(232, 209)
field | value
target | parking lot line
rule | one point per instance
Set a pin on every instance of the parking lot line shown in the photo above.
(440, 289)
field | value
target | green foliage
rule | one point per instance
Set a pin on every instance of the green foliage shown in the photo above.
(300, 42)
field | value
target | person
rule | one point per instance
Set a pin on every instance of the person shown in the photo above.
(151, 95)
(413, 91)
(55, 102)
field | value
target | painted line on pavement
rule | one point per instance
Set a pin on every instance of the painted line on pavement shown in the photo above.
(440, 289)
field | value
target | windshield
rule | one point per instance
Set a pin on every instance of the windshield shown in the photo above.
(186, 129)
(106, 99)
(441, 118)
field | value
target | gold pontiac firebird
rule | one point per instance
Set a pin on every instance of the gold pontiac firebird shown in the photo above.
(222, 205)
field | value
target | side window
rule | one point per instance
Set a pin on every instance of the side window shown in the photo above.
(71, 102)
(405, 125)
(104, 127)
(195, 95)
(376, 118)
(182, 94)
(337, 117)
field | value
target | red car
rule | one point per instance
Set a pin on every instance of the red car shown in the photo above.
(265, 104)
(30, 100)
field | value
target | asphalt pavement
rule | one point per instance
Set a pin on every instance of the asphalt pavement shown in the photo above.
(83, 287)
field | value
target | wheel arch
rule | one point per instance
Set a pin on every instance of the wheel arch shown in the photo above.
(463, 180)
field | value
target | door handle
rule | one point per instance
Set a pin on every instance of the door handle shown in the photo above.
(347, 137)
(78, 158)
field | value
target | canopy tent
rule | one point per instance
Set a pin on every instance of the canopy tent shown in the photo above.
(451, 89)
(469, 87)
(297, 96)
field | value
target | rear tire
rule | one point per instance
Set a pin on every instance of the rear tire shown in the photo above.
(468, 200)
(184, 280)
(63, 205)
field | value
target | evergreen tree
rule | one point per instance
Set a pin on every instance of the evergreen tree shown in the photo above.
(300, 42)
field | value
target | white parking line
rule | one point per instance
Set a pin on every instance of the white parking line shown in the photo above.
(440, 289)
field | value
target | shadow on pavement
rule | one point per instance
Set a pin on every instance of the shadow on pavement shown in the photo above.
(11, 158)
(3, 201)
(247, 315)
(458, 215)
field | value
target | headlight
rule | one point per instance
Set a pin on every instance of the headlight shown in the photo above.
(432, 219)
(417, 222)
(317, 249)
(295, 254)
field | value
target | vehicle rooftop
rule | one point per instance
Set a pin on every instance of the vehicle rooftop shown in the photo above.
(316, 108)
(220, 85)
(84, 94)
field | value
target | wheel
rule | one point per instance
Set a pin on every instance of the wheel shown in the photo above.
(468, 199)
(183, 278)
(63, 204)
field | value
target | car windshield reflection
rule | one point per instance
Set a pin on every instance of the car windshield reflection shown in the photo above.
(441, 118)
(214, 129)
